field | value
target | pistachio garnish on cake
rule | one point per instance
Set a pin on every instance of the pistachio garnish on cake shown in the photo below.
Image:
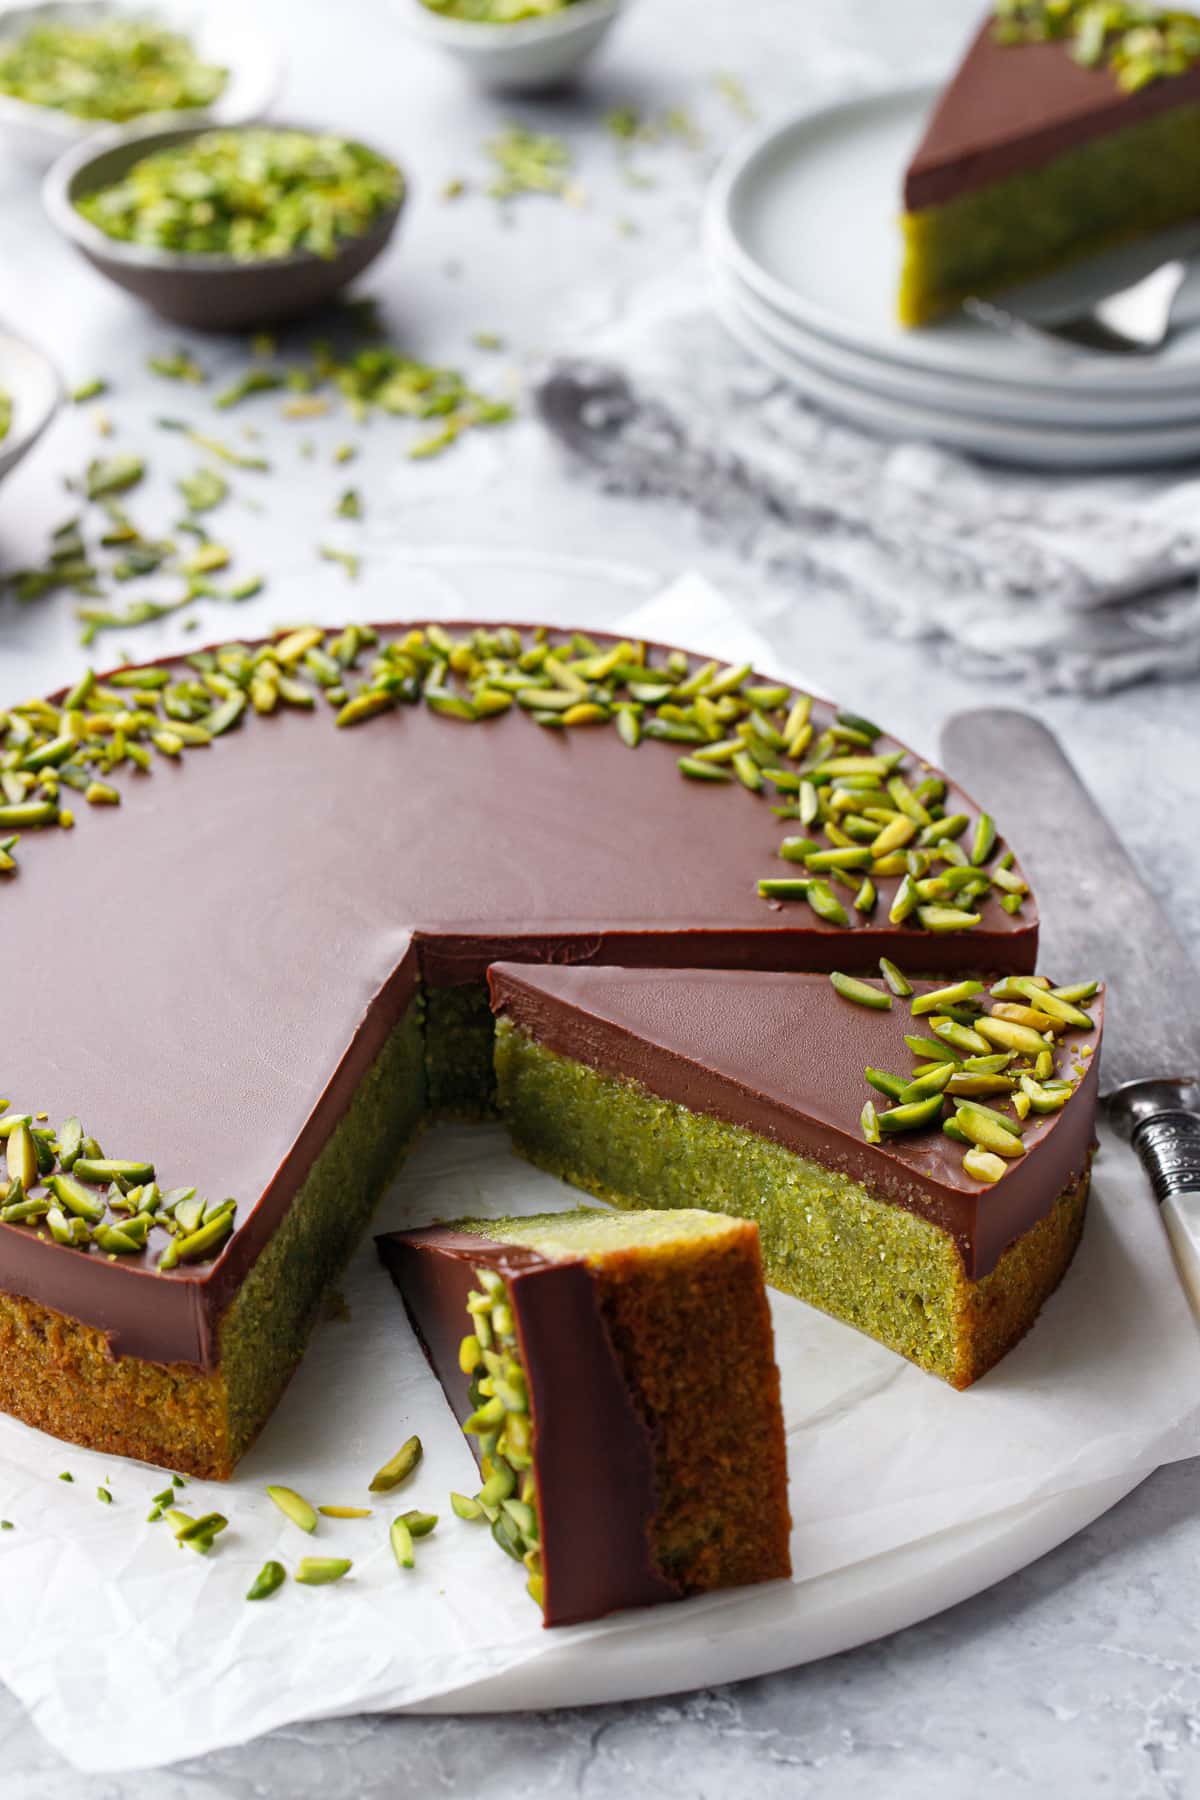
(616, 1377)
(1069, 127)
(59, 1183)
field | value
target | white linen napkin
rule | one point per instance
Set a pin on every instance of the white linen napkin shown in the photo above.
(1070, 583)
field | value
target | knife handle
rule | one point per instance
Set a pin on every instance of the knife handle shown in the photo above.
(1168, 1145)
(1181, 1219)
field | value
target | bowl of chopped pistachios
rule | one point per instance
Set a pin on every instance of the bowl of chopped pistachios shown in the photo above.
(223, 229)
(514, 46)
(30, 394)
(71, 66)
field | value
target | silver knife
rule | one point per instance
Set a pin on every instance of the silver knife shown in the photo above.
(1099, 918)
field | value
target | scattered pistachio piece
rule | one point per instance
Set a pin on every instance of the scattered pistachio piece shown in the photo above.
(294, 1507)
(402, 1543)
(397, 1468)
(319, 1571)
(269, 1580)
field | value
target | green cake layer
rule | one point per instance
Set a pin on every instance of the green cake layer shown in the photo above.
(592, 1234)
(438, 1061)
(1139, 180)
(825, 1237)
(269, 1322)
(458, 1051)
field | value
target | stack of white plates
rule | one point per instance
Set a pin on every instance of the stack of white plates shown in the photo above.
(803, 243)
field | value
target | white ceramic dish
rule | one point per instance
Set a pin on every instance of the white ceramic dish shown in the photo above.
(804, 214)
(1032, 446)
(220, 32)
(30, 379)
(523, 57)
(790, 1623)
(1014, 402)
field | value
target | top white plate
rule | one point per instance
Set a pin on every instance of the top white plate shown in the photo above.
(805, 213)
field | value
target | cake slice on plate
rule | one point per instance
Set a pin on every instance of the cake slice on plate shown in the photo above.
(617, 1376)
(917, 1164)
(1055, 139)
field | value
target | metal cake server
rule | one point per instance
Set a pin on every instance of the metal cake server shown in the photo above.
(1100, 918)
(1131, 321)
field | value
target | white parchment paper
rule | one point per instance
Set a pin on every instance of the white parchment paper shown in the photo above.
(130, 1652)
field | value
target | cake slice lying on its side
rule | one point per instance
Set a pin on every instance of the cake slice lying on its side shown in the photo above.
(1055, 139)
(617, 1377)
(917, 1166)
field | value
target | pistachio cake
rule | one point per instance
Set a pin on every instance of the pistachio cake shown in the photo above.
(251, 897)
(624, 1462)
(933, 1206)
(1067, 128)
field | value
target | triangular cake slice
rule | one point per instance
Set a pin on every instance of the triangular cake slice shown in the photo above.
(1041, 152)
(616, 1374)
(748, 1093)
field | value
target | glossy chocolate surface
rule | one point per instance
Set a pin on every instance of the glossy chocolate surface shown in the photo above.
(593, 1458)
(1012, 107)
(204, 974)
(783, 1056)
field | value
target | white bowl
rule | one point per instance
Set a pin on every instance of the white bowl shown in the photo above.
(38, 134)
(29, 377)
(523, 57)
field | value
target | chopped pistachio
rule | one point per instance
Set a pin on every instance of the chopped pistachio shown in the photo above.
(346, 558)
(253, 381)
(937, 999)
(402, 1543)
(106, 68)
(397, 1468)
(268, 193)
(528, 162)
(113, 475)
(861, 992)
(898, 983)
(983, 1165)
(269, 1580)
(911, 1115)
(294, 1507)
(203, 490)
(319, 1571)
(180, 365)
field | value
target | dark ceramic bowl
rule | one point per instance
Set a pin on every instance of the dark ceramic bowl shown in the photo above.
(208, 293)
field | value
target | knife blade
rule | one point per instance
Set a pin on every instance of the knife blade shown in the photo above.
(1099, 918)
